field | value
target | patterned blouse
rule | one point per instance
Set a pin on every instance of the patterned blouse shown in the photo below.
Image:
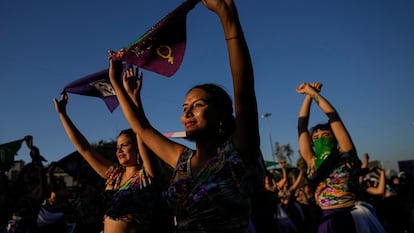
(341, 186)
(133, 201)
(217, 199)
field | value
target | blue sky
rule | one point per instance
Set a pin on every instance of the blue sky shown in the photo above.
(362, 51)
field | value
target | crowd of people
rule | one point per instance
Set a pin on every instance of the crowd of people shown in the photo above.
(38, 201)
(222, 185)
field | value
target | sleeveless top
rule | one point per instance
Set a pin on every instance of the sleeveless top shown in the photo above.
(136, 201)
(217, 199)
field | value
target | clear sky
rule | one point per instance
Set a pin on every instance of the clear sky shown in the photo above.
(362, 51)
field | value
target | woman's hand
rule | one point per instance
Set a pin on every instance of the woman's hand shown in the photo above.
(115, 65)
(309, 88)
(270, 184)
(217, 5)
(317, 86)
(60, 105)
(133, 84)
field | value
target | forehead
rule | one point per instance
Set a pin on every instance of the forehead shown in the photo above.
(124, 138)
(321, 131)
(195, 94)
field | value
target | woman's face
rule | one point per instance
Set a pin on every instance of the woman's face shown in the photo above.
(198, 114)
(319, 133)
(126, 151)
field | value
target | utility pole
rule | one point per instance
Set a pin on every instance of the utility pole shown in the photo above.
(266, 116)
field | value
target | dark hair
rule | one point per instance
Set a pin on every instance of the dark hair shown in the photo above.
(133, 137)
(129, 133)
(221, 100)
(322, 126)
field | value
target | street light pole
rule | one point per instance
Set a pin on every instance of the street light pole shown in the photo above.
(266, 116)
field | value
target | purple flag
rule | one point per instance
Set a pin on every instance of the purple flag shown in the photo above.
(96, 85)
(161, 49)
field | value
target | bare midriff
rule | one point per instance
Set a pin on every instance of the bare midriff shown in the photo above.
(111, 226)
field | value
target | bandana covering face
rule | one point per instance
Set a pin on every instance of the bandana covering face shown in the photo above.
(323, 148)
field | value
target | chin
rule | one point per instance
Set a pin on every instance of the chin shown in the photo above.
(190, 135)
(190, 138)
(122, 162)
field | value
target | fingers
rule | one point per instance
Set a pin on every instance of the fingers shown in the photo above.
(301, 87)
(64, 97)
(110, 54)
(129, 73)
(304, 87)
(140, 77)
(61, 103)
(58, 107)
(318, 87)
(117, 55)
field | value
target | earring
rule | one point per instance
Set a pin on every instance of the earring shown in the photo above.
(139, 159)
(221, 131)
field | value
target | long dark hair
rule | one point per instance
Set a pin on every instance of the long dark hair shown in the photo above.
(129, 133)
(221, 100)
(133, 137)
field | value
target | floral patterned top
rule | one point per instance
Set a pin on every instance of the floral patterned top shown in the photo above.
(217, 199)
(134, 201)
(341, 186)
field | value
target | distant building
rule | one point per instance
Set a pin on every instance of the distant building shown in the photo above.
(18, 165)
(375, 163)
(59, 173)
(407, 166)
(15, 169)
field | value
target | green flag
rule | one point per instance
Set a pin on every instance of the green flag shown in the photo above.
(7, 153)
(270, 163)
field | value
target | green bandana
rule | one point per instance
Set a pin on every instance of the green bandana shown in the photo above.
(323, 148)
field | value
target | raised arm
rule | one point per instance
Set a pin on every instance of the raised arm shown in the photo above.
(144, 153)
(305, 143)
(246, 136)
(364, 166)
(270, 183)
(341, 134)
(99, 163)
(295, 185)
(284, 178)
(380, 188)
(365, 160)
(126, 85)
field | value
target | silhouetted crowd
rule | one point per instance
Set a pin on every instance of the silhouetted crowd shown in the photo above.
(219, 186)
(38, 201)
